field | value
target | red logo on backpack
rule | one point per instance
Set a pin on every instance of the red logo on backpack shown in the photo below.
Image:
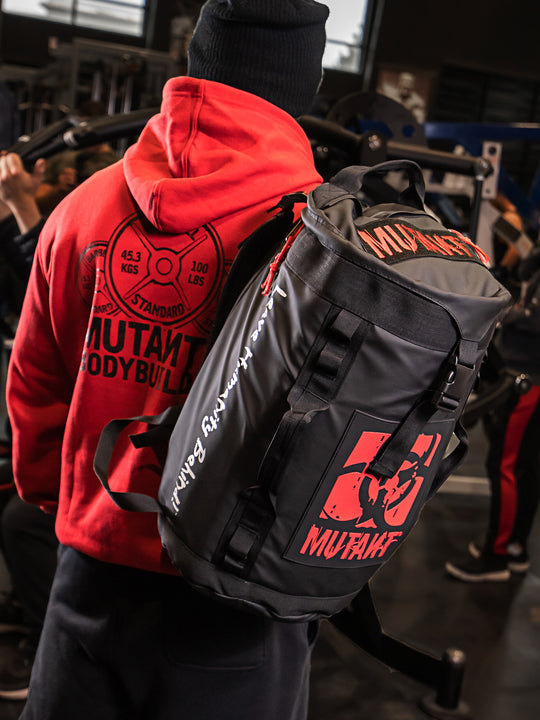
(357, 517)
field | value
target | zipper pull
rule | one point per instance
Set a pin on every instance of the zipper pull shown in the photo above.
(280, 257)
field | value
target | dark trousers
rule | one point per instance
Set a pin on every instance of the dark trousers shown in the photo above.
(123, 644)
(513, 467)
(30, 550)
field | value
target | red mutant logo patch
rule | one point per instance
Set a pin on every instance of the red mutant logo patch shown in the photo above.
(358, 518)
(171, 284)
(394, 241)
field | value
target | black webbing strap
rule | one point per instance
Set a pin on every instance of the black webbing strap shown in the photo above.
(253, 253)
(452, 460)
(361, 624)
(319, 380)
(246, 530)
(160, 432)
(450, 390)
(371, 295)
(315, 387)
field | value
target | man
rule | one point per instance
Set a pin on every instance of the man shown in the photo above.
(512, 429)
(118, 309)
(21, 219)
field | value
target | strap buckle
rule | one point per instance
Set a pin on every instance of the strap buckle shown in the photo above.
(453, 386)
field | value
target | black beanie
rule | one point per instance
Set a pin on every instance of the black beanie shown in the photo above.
(271, 48)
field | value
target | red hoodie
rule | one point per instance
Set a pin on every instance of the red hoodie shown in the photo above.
(121, 298)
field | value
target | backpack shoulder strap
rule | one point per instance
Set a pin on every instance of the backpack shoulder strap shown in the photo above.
(256, 250)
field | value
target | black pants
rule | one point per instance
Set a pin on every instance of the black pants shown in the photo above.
(30, 550)
(123, 644)
(513, 467)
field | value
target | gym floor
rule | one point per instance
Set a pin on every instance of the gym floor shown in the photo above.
(496, 625)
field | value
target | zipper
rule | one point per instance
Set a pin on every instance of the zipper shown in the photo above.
(280, 257)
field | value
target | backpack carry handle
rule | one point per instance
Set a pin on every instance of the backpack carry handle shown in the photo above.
(160, 429)
(353, 179)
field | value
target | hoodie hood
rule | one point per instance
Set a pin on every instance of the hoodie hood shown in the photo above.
(213, 141)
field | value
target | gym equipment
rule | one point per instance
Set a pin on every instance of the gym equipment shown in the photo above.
(70, 133)
(372, 147)
(361, 112)
(360, 623)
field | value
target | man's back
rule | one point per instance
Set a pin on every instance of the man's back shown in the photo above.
(134, 260)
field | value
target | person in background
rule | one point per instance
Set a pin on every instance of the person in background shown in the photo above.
(70, 168)
(21, 218)
(20, 224)
(27, 198)
(27, 536)
(115, 321)
(29, 546)
(513, 458)
(506, 257)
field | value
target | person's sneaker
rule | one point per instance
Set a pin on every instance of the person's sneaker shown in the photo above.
(517, 559)
(16, 660)
(11, 614)
(480, 569)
